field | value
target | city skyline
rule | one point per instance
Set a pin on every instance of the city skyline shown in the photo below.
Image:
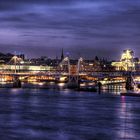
(81, 28)
(64, 55)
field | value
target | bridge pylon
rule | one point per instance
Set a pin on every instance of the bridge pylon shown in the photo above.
(72, 71)
(74, 75)
(129, 82)
(16, 82)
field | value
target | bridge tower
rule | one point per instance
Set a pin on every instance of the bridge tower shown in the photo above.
(15, 60)
(16, 81)
(74, 74)
(72, 71)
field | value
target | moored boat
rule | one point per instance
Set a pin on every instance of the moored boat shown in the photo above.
(130, 94)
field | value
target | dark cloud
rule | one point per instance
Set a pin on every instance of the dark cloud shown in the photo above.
(17, 4)
(91, 27)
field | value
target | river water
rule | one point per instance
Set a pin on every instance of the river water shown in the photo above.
(42, 114)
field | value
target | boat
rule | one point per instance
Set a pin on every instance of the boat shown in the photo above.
(135, 94)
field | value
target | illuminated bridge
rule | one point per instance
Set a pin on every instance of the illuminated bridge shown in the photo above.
(64, 72)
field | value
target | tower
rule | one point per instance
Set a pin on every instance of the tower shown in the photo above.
(62, 55)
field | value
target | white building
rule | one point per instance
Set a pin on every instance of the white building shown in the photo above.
(127, 61)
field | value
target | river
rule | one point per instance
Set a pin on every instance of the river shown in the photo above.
(42, 114)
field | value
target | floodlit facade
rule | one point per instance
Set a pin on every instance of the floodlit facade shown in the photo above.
(25, 68)
(127, 62)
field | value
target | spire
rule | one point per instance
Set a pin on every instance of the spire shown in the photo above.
(62, 55)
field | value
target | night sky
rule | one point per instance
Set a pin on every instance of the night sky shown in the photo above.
(82, 27)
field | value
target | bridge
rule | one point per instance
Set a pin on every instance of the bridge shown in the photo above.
(64, 72)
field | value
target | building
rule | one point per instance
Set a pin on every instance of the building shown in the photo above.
(127, 62)
(24, 67)
(17, 64)
(5, 58)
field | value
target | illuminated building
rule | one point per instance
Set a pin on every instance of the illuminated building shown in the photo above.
(127, 61)
(25, 67)
(17, 64)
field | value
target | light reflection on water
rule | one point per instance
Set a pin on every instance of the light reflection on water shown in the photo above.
(65, 115)
(126, 118)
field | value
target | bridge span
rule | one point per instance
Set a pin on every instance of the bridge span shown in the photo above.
(67, 72)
